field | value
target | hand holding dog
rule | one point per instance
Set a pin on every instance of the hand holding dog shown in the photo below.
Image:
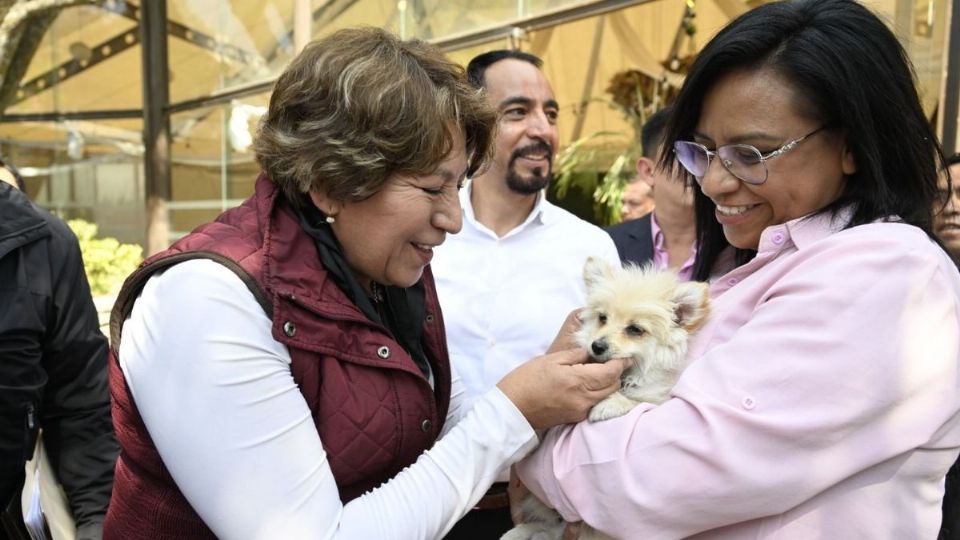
(571, 531)
(566, 338)
(560, 387)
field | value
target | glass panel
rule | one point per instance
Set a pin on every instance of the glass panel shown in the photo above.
(88, 170)
(94, 169)
(427, 19)
(215, 45)
(89, 59)
(212, 167)
(581, 57)
(647, 35)
(921, 27)
(218, 45)
(435, 19)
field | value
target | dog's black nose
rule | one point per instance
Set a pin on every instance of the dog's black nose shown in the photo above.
(599, 347)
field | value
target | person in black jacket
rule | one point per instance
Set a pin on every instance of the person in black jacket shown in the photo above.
(667, 236)
(946, 225)
(53, 364)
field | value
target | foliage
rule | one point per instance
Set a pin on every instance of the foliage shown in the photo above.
(107, 262)
(635, 96)
(578, 156)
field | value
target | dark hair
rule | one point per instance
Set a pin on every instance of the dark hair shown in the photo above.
(953, 160)
(855, 77)
(16, 175)
(360, 105)
(651, 134)
(477, 67)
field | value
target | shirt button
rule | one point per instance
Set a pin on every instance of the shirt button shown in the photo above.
(289, 329)
(426, 425)
(778, 238)
(733, 281)
(748, 403)
(383, 352)
(429, 317)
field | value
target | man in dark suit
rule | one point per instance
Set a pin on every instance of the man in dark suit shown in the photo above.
(667, 236)
(634, 239)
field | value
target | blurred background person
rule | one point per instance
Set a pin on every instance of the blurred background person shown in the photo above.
(53, 363)
(947, 218)
(282, 372)
(637, 199)
(667, 235)
(10, 175)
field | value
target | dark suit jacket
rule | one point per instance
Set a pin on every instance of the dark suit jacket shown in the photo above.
(634, 240)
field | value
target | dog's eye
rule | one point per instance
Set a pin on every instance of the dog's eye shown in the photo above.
(635, 330)
(602, 317)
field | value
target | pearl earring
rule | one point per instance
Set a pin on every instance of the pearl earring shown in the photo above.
(330, 219)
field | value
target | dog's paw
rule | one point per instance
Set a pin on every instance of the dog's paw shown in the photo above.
(534, 531)
(614, 405)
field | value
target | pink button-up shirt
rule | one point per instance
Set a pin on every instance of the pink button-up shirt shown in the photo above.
(661, 257)
(822, 401)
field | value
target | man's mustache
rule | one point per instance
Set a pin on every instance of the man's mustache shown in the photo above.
(541, 147)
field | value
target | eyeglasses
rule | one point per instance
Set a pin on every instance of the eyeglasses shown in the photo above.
(741, 160)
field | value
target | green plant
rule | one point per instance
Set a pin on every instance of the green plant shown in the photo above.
(613, 154)
(106, 261)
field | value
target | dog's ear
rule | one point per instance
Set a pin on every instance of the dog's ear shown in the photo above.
(596, 271)
(691, 302)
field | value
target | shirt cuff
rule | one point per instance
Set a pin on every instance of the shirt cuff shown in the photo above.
(536, 473)
(521, 433)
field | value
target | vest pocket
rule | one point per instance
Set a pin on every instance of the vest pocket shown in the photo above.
(31, 426)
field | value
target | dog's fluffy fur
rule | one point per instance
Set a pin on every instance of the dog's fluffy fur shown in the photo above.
(633, 312)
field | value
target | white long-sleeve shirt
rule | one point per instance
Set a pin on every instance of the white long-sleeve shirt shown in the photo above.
(505, 298)
(217, 396)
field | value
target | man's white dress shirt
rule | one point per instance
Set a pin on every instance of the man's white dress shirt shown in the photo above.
(504, 299)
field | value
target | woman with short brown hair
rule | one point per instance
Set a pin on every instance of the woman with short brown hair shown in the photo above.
(283, 371)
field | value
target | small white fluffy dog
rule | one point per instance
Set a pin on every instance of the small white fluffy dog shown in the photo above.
(633, 312)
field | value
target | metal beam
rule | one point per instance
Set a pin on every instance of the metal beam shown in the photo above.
(156, 123)
(217, 98)
(951, 92)
(111, 114)
(327, 12)
(332, 8)
(302, 25)
(122, 42)
(592, 66)
(536, 22)
(74, 67)
(178, 30)
(322, 15)
(336, 7)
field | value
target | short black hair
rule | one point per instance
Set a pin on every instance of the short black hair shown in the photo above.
(855, 77)
(477, 67)
(651, 134)
(16, 175)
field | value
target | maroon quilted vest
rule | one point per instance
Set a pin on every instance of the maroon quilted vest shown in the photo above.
(372, 406)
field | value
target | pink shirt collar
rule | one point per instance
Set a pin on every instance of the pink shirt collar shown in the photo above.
(661, 259)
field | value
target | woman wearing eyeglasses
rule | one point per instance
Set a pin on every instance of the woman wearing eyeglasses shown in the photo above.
(823, 396)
